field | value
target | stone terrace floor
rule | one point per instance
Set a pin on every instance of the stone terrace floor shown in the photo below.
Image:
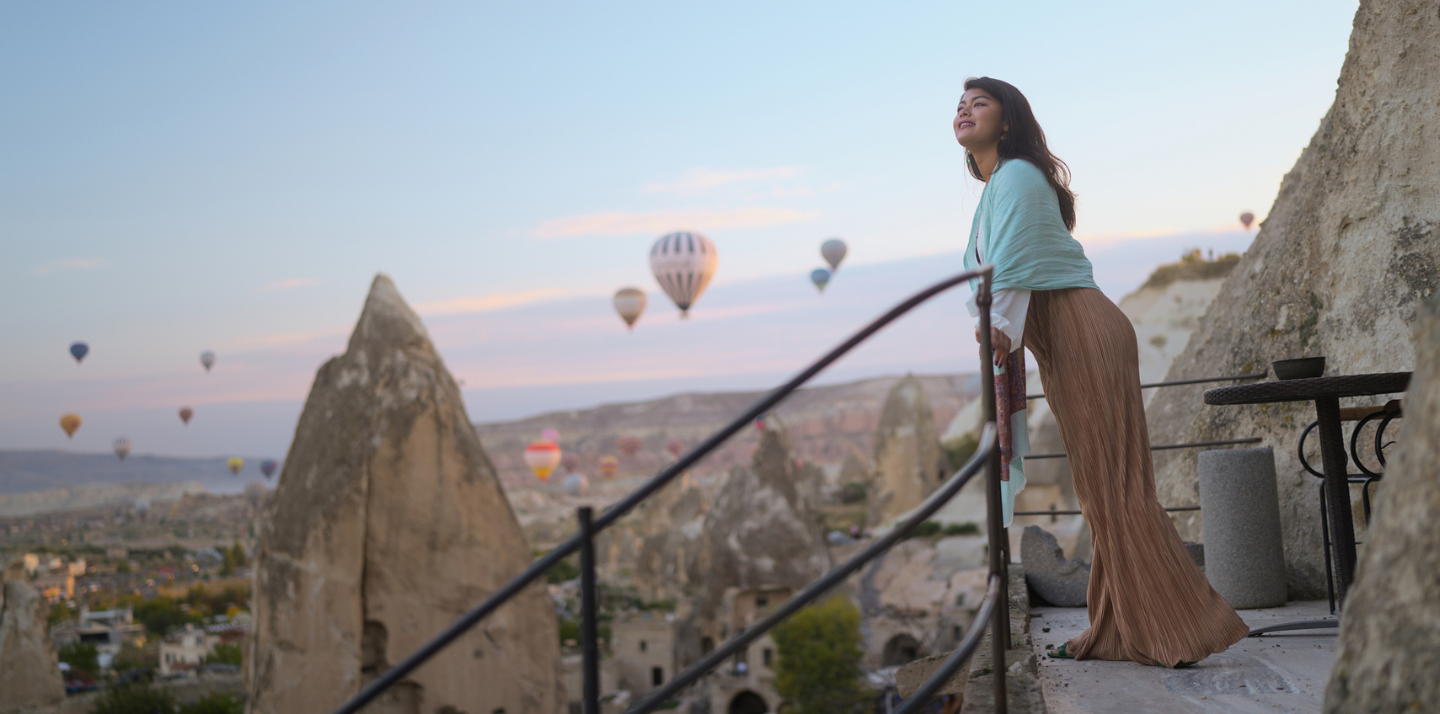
(1283, 672)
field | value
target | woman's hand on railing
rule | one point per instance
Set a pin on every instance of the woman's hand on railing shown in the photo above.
(1000, 341)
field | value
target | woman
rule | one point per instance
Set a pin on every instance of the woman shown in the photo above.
(1148, 602)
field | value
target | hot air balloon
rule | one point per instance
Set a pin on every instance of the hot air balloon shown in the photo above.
(821, 278)
(185, 414)
(268, 467)
(542, 456)
(1246, 219)
(576, 485)
(608, 466)
(630, 302)
(70, 422)
(122, 447)
(78, 351)
(207, 358)
(235, 464)
(833, 251)
(550, 435)
(683, 264)
(569, 462)
(675, 447)
(628, 445)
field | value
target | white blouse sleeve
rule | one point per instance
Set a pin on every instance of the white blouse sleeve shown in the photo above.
(1008, 309)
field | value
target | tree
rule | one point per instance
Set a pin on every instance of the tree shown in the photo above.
(224, 654)
(81, 656)
(134, 699)
(237, 555)
(818, 671)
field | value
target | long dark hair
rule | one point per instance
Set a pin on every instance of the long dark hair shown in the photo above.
(1025, 140)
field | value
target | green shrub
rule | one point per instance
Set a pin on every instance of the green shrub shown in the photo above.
(960, 529)
(134, 699)
(854, 492)
(224, 654)
(217, 703)
(959, 449)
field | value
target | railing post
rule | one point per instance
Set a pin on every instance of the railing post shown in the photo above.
(589, 612)
(994, 515)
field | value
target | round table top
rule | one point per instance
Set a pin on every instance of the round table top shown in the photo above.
(1295, 390)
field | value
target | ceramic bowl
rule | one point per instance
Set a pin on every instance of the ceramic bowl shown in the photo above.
(1302, 368)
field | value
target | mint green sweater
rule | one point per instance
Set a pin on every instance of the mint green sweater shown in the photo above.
(1025, 238)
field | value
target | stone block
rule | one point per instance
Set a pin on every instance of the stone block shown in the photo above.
(1240, 519)
(1058, 581)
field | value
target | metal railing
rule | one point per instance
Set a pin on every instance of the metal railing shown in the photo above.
(993, 610)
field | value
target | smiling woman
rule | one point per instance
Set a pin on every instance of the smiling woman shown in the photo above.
(1148, 601)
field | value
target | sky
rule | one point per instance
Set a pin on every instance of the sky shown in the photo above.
(181, 177)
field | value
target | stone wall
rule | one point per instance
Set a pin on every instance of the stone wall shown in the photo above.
(1389, 649)
(29, 670)
(1339, 267)
(388, 524)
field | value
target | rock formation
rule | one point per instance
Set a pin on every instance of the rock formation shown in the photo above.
(1060, 582)
(29, 670)
(1348, 252)
(388, 524)
(1388, 655)
(909, 464)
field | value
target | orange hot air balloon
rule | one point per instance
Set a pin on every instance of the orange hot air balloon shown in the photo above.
(1247, 218)
(185, 414)
(70, 422)
(608, 466)
(542, 456)
(628, 445)
(235, 464)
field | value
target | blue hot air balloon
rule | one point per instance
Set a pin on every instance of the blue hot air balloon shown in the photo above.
(821, 277)
(79, 350)
(268, 467)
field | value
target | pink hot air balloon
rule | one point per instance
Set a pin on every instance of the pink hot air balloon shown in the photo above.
(185, 414)
(608, 466)
(550, 435)
(675, 447)
(542, 456)
(1246, 219)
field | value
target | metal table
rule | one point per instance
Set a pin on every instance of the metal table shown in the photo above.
(1326, 392)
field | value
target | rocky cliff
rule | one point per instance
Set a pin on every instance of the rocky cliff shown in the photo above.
(1339, 267)
(30, 680)
(388, 524)
(1389, 647)
(909, 464)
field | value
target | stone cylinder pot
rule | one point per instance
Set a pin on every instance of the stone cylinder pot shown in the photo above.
(1240, 520)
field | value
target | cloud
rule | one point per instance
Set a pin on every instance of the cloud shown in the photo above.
(288, 283)
(653, 222)
(68, 264)
(485, 303)
(701, 180)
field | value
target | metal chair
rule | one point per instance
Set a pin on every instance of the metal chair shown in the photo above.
(1362, 416)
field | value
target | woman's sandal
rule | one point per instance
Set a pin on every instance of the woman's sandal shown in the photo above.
(1183, 665)
(1059, 653)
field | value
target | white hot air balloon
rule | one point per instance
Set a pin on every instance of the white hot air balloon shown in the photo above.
(630, 302)
(833, 251)
(683, 264)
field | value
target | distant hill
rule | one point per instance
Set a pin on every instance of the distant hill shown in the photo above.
(826, 424)
(26, 471)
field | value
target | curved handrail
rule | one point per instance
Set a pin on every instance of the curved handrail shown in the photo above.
(920, 697)
(935, 502)
(616, 511)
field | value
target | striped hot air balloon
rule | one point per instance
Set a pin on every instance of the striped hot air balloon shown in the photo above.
(207, 360)
(268, 467)
(628, 445)
(683, 264)
(122, 447)
(608, 466)
(542, 456)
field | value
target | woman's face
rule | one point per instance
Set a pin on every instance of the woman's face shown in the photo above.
(978, 122)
